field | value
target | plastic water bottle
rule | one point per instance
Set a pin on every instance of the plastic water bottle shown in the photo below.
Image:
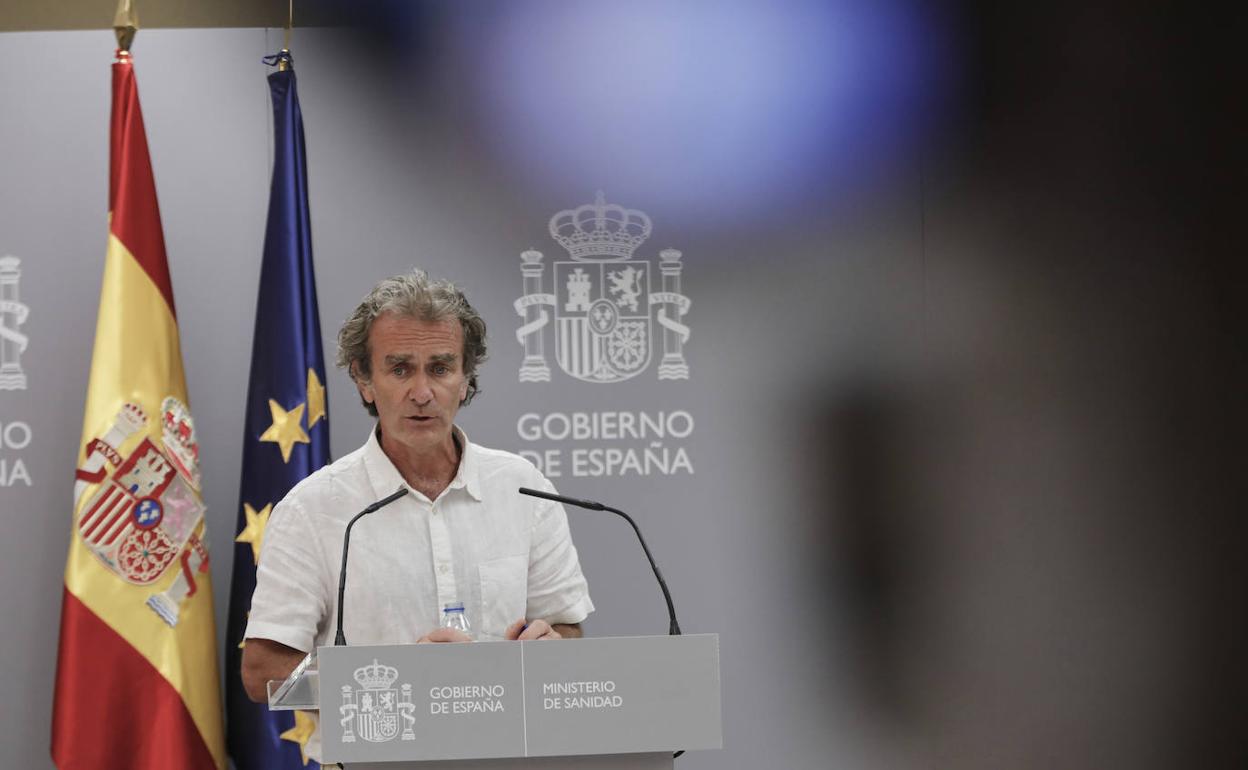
(453, 616)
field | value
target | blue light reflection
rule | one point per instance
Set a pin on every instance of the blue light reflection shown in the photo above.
(716, 109)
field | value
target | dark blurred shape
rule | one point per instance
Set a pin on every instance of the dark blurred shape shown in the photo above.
(399, 36)
(1031, 523)
(388, 28)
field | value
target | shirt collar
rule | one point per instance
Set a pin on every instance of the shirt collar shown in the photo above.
(467, 476)
(385, 478)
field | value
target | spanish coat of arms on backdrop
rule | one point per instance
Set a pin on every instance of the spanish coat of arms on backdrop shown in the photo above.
(604, 304)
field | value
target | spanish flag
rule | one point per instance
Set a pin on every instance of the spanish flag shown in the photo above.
(136, 679)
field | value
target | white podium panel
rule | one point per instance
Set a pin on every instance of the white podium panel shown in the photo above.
(621, 703)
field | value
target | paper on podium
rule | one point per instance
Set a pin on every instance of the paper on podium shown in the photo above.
(301, 690)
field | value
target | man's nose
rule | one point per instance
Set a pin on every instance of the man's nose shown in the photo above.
(419, 390)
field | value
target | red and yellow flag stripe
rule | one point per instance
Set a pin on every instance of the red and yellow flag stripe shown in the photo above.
(132, 690)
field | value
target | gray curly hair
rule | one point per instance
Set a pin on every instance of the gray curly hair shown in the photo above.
(417, 295)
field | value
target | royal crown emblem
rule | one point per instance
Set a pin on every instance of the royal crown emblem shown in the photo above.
(142, 518)
(372, 712)
(604, 302)
(178, 433)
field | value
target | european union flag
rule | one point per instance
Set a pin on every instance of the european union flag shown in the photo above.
(287, 432)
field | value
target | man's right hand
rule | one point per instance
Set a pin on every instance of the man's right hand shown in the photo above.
(444, 635)
(263, 660)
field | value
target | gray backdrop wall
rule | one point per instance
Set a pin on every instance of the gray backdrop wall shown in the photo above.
(935, 433)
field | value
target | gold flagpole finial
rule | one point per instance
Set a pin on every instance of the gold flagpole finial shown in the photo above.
(125, 24)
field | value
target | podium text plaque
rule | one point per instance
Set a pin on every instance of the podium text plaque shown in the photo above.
(495, 700)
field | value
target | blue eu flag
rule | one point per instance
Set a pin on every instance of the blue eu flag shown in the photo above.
(287, 431)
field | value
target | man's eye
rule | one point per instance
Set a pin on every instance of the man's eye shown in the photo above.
(399, 371)
(441, 369)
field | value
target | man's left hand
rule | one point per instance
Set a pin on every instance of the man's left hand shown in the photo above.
(525, 631)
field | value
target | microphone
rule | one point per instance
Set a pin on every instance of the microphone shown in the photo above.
(673, 628)
(340, 640)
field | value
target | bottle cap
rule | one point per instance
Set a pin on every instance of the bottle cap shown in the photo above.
(456, 607)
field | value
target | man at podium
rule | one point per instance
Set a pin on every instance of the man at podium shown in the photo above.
(461, 535)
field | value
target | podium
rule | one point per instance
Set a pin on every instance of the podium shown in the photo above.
(615, 703)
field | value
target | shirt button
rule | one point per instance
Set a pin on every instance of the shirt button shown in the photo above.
(442, 568)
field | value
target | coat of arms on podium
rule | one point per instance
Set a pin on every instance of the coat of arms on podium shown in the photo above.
(372, 713)
(608, 316)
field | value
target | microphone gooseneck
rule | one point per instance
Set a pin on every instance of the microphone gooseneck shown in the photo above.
(339, 639)
(673, 628)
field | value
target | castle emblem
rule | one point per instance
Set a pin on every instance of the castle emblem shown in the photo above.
(143, 518)
(372, 712)
(604, 304)
(12, 315)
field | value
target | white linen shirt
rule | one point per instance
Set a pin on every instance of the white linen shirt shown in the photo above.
(506, 556)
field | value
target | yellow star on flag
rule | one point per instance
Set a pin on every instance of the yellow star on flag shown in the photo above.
(305, 725)
(285, 430)
(254, 531)
(316, 398)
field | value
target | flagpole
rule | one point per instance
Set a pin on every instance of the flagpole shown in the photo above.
(284, 64)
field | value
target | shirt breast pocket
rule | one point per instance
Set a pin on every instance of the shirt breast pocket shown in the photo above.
(504, 594)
